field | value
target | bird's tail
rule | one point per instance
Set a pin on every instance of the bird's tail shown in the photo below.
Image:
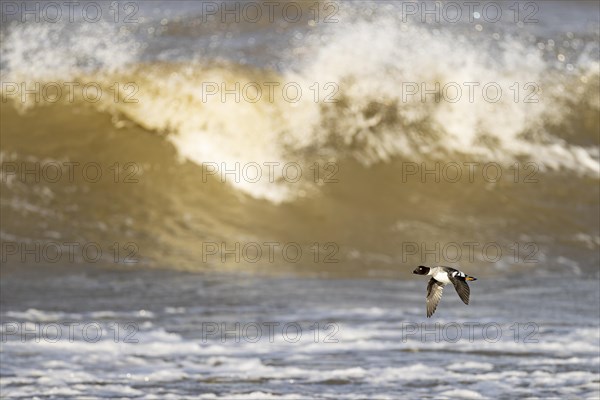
(470, 278)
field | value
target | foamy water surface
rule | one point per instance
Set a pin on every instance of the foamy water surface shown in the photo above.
(360, 338)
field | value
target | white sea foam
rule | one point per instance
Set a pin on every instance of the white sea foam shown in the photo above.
(373, 122)
(163, 358)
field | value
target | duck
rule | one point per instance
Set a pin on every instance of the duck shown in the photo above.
(440, 277)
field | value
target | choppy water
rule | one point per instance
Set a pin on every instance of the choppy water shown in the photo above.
(164, 334)
(222, 208)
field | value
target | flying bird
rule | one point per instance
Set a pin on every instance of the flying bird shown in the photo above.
(440, 277)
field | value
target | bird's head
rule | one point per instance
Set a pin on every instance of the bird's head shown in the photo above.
(421, 270)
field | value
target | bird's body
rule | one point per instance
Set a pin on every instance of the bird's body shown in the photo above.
(440, 277)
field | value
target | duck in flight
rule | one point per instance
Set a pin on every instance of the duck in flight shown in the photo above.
(440, 277)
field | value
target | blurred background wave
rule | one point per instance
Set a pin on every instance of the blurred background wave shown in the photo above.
(366, 139)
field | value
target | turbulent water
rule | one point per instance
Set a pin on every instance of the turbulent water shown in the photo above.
(360, 139)
(152, 334)
(355, 141)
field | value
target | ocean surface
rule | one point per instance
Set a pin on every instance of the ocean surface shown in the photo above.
(169, 167)
(164, 334)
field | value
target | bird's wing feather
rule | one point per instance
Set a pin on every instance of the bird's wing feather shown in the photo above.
(462, 288)
(434, 294)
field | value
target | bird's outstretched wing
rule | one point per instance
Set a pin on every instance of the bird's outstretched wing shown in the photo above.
(434, 294)
(462, 288)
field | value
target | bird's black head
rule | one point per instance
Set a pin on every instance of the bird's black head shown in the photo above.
(421, 270)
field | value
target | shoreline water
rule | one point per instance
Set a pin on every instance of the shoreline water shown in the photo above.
(195, 334)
